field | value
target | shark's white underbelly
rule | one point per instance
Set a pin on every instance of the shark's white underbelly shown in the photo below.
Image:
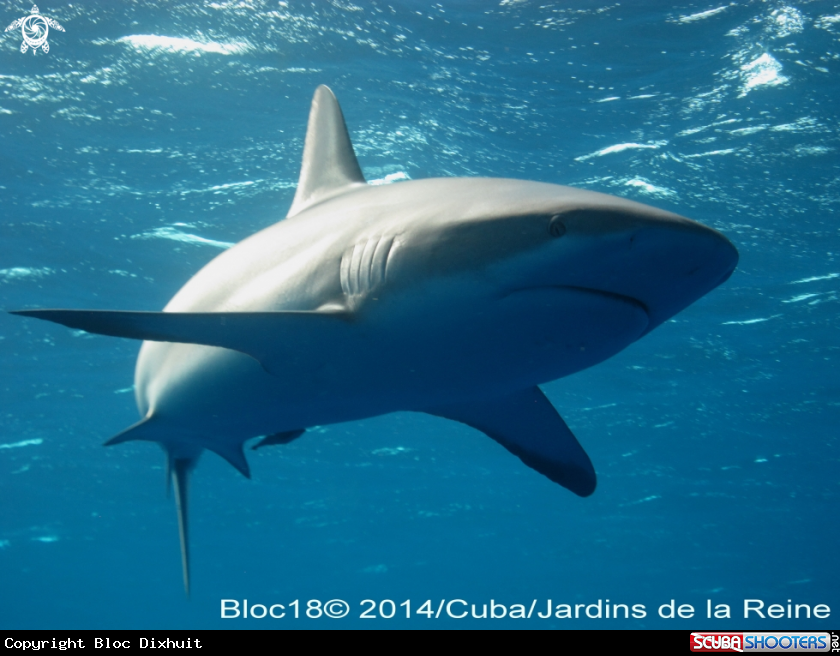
(400, 358)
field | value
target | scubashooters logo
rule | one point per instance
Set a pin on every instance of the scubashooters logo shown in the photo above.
(35, 29)
(761, 642)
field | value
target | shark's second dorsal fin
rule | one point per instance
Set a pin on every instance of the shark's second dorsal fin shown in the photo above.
(329, 164)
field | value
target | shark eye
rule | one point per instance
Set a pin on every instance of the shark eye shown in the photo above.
(556, 227)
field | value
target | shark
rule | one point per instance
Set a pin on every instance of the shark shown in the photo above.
(455, 297)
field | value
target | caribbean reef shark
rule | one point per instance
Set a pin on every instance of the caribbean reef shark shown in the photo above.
(452, 296)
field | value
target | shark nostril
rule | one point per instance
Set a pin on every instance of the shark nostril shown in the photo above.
(556, 227)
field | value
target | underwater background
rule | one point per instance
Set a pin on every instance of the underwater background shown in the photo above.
(153, 135)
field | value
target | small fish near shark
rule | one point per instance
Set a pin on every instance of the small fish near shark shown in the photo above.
(455, 297)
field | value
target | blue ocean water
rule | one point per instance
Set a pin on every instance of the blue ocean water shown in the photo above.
(153, 135)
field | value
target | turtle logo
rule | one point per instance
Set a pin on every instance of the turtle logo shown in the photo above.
(35, 28)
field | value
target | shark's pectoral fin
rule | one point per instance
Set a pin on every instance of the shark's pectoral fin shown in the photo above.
(271, 338)
(279, 438)
(527, 425)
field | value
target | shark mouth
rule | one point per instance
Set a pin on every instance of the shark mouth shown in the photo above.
(582, 316)
(618, 298)
(621, 298)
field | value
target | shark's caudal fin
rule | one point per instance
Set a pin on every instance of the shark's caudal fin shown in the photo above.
(181, 458)
(180, 471)
(329, 164)
(527, 425)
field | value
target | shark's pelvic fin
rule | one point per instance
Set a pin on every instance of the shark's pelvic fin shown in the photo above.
(329, 164)
(180, 469)
(279, 438)
(233, 453)
(527, 425)
(139, 431)
(253, 333)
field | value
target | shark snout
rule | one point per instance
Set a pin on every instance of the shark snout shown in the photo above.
(665, 263)
(670, 265)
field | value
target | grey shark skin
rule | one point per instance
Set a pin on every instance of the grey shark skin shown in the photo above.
(455, 297)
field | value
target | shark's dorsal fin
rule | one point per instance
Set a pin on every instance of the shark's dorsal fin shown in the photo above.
(329, 164)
